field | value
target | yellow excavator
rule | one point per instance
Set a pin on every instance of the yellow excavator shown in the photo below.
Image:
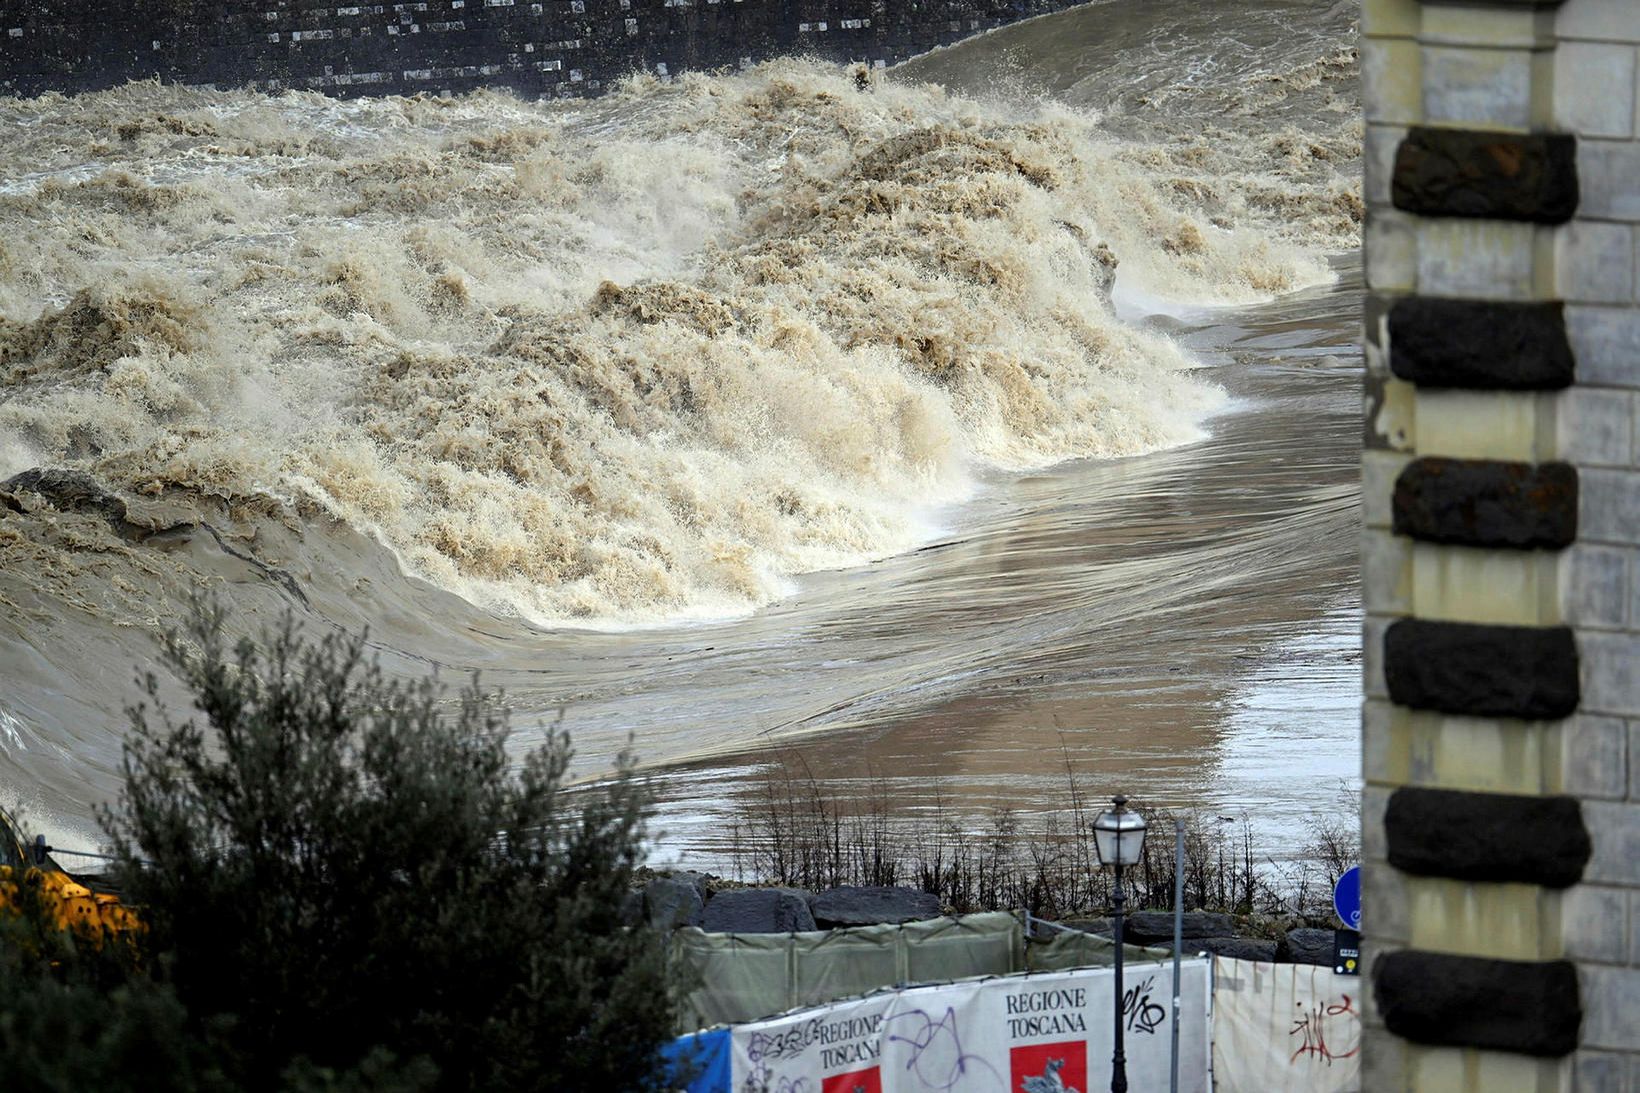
(78, 903)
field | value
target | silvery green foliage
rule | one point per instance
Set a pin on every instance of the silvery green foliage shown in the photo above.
(344, 876)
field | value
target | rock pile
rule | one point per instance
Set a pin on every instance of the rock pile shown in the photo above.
(692, 899)
(688, 899)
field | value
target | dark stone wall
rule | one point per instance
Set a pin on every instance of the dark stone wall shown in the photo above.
(551, 47)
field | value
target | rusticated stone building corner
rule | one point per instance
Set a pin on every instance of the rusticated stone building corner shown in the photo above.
(1501, 558)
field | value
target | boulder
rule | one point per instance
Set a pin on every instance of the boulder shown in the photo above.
(632, 908)
(1042, 931)
(758, 911)
(1143, 927)
(1241, 948)
(697, 879)
(671, 902)
(870, 906)
(1100, 926)
(1307, 945)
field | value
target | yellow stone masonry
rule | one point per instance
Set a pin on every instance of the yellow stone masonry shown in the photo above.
(1490, 65)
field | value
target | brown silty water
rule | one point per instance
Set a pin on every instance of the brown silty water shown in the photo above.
(926, 432)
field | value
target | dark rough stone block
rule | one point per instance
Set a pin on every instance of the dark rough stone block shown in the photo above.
(671, 902)
(1240, 948)
(759, 911)
(1091, 925)
(699, 880)
(1484, 671)
(869, 906)
(1483, 502)
(1480, 344)
(1474, 173)
(1143, 927)
(1307, 945)
(1041, 930)
(1524, 1007)
(1487, 836)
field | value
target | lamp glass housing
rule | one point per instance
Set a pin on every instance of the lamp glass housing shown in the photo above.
(1119, 835)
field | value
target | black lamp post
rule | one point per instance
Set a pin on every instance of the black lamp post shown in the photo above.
(1119, 836)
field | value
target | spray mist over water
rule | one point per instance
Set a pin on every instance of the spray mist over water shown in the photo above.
(439, 368)
(626, 362)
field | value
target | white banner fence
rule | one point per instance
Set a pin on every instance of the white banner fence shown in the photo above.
(1035, 1033)
(1245, 1027)
(1285, 1028)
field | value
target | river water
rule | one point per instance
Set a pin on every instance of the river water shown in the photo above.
(926, 431)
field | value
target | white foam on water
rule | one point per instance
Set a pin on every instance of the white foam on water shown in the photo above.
(616, 364)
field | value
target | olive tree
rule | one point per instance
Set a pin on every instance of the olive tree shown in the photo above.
(347, 883)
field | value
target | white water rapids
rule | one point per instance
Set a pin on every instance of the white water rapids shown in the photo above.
(997, 411)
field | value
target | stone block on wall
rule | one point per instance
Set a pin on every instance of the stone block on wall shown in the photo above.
(1611, 1000)
(1484, 87)
(1606, 343)
(1598, 20)
(1614, 832)
(1386, 572)
(1603, 1071)
(1595, 587)
(1494, 837)
(1446, 172)
(1527, 672)
(1389, 245)
(1480, 344)
(1593, 757)
(1487, 503)
(1526, 1007)
(1594, 89)
(1593, 923)
(1479, 259)
(1594, 262)
(1609, 505)
(1390, 18)
(1612, 672)
(1391, 82)
(1594, 426)
(1378, 161)
(1465, 424)
(1506, 588)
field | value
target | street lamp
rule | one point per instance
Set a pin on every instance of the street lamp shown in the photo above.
(1119, 836)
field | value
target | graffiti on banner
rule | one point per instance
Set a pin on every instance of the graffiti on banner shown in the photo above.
(1285, 1028)
(1010, 1034)
(818, 1051)
(925, 1049)
(1141, 1014)
(1320, 1017)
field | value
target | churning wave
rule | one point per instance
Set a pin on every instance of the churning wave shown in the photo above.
(629, 361)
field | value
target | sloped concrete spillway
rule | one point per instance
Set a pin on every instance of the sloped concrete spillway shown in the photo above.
(721, 413)
(444, 47)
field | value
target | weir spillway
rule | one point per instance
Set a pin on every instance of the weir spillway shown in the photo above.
(553, 48)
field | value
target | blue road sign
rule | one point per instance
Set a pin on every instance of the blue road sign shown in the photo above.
(1347, 897)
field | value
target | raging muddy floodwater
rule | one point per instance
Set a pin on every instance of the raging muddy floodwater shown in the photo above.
(1183, 627)
(929, 438)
